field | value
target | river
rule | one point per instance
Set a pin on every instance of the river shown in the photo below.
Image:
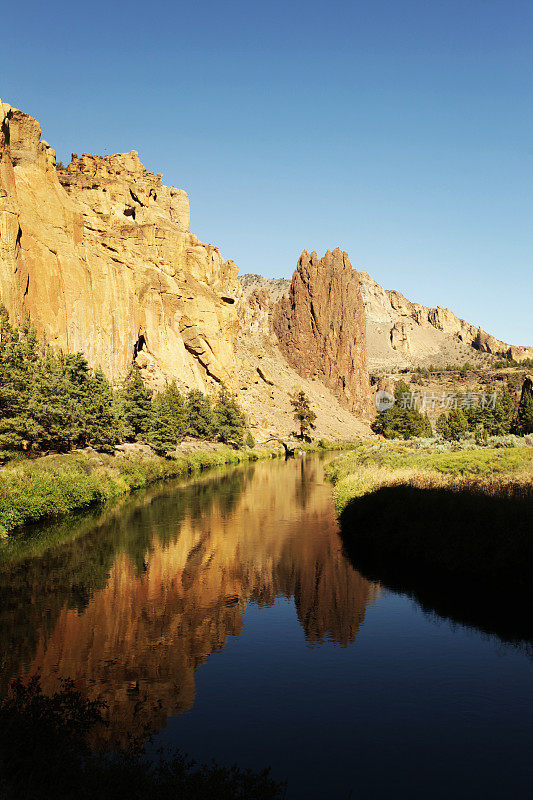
(223, 615)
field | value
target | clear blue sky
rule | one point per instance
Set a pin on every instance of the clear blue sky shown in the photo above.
(401, 130)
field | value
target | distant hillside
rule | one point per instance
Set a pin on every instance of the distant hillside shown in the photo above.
(401, 333)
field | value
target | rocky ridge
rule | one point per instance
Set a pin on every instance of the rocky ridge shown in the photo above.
(402, 333)
(100, 257)
(399, 333)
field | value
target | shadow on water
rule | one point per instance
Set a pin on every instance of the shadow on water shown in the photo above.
(462, 555)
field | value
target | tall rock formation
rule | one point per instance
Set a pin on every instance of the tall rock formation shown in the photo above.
(100, 256)
(321, 327)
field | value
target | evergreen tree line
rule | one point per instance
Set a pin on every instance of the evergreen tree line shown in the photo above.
(498, 418)
(495, 418)
(53, 401)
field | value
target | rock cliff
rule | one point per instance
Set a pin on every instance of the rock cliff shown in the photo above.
(100, 256)
(402, 333)
(321, 327)
(399, 333)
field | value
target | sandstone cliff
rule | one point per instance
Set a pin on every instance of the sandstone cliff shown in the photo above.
(100, 256)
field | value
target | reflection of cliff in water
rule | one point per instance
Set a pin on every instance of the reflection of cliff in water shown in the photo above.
(131, 609)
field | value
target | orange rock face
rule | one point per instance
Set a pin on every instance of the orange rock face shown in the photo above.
(100, 256)
(321, 327)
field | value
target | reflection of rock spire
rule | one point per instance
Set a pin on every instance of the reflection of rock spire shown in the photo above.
(140, 637)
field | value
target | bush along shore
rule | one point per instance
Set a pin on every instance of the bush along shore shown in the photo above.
(55, 485)
(464, 513)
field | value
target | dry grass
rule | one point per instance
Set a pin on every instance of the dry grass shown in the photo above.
(495, 472)
(415, 517)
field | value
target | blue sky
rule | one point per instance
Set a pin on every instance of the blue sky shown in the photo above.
(401, 131)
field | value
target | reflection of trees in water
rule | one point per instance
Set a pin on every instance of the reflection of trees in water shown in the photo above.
(484, 542)
(133, 607)
(34, 590)
(307, 472)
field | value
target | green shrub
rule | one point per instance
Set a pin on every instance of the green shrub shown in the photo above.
(403, 419)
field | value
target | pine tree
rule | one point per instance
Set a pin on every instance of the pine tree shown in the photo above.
(524, 418)
(102, 425)
(454, 426)
(50, 400)
(303, 414)
(54, 406)
(200, 418)
(229, 419)
(492, 418)
(136, 406)
(504, 412)
(169, 419)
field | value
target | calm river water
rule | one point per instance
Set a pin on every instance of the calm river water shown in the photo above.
(223, 615)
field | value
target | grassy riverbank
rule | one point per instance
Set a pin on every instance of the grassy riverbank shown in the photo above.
(35, 490)
(50, 487)
(373, 466)
(466, 513)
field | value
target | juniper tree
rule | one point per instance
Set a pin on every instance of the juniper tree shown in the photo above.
(200, 417)
(229, 419)
(303, 413)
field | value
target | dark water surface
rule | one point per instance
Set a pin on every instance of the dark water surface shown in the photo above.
(224, 615)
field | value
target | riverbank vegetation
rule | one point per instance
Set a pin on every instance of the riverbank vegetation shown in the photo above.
(462, 512)
(469, 416)
(46, 752)
(419, 463)
(38, 489)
